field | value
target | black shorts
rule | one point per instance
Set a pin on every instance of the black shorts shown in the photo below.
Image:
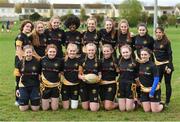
(50, 93)
(31, 94)
(70, 92)
(156, 98)
(89, 92)
(108, 91)
(124, 90)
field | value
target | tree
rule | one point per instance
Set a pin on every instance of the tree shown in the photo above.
(35, 16)
(150, 19)
(144, 17)
(131, 10)
(172, 20)
(163, 20)
(69, 12)
(18, 8)
(83, 16)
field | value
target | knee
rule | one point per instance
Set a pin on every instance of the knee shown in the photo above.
(157, 110)
(108, 107)
(23, 108)
(85, 105)
(147, 110)
(35, 108)
(55, 108)
(94, 109)
(65, 107)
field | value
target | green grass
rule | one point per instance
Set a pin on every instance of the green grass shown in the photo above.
(9, 112)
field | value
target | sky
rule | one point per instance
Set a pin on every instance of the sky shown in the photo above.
(145, 2)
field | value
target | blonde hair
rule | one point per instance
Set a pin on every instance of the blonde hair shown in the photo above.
(126, 46)
(91, 18)
(50, 46)
(24, 59)
(52, 18)
(107, 46)
(70, 46)
(36, 41)
(91, 45)
(28, 47)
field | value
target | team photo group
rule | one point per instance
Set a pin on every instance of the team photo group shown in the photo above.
(96, 69)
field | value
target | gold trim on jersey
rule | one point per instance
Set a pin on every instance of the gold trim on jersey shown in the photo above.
(160, 62)
(84, 49)
(133, 89)
(47, 84)
(103, 82)
(20, 82)
(148, 89)
(17, 72)
(66, 82)
(137, 57)
(19, 43)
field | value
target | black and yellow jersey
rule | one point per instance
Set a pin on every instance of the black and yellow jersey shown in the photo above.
(29, 72)
(108, 69)
(106, 38)
(71, 69)
(91, 66)
(51, 69)
(56, 37)
(23, 39)
(74, 37)
(40, 50)
(90, 37)
(128, 70)
(147, 72)
(143, 41)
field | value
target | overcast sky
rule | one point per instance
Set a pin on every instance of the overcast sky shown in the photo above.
(146, 2)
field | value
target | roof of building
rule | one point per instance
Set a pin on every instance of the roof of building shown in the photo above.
(7, 5)
(97, 6)
(66, 6)
(36, 5)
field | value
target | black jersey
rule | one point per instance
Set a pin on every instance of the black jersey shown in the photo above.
(56, 37)
(74, 37)
(40, 50)
(143, 41)
(91, 66)
(23, 39)
(128, 70)
(30, 71)
(90, 37)
(71, 69)
(51, 68)
(147, 72)
(123, 39)
(108, 69)
(162, 51)
(106, 38)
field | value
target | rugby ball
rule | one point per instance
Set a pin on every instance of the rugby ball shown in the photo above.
(91, 78)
